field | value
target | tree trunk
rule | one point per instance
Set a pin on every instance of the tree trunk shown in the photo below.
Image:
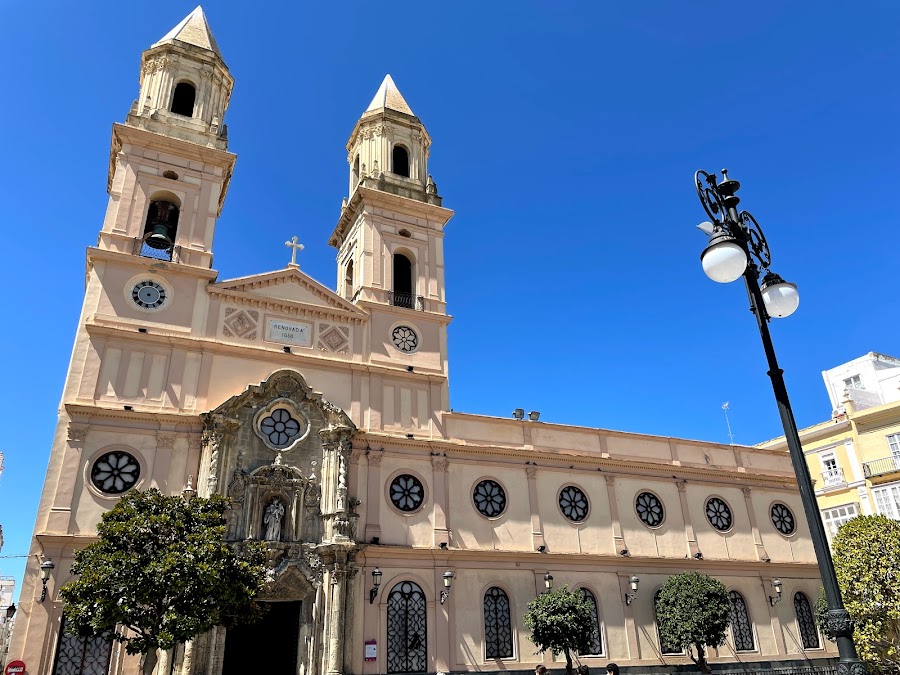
(148, 662)
(568, 661)
(701, 660)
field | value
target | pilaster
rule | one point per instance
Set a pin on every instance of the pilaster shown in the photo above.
(537, 527)
(619, 545)
(693, 547)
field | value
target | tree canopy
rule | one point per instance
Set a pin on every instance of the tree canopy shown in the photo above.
(162, 569)
(866, 552)
(693, 611)
(561, 621)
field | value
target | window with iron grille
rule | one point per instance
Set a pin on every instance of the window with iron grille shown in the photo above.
(809, 635)
(596, 631)
(406, 634)
(78, 655)
(741, 626)
(498, 642)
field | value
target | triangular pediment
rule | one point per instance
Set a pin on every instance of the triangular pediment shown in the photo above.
(290, 285)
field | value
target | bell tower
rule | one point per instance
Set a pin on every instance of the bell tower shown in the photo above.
(169, 166)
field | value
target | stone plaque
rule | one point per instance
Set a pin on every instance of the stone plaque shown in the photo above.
(289, 332)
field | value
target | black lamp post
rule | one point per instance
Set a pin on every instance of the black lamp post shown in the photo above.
(737, 248)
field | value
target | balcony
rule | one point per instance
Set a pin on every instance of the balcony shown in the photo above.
(881, 467)
(408, 300)
(170, 253)
(833, 477)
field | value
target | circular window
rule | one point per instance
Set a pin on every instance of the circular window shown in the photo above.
(407, 492)
(489, 498)
(649, 509)
(280, 428)
(115, 472)
(573, 503)
(405, 339)
(148, 294)
(719, 514)
(783, 519)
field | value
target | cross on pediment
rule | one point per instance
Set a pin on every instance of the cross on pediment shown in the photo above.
(294, 246)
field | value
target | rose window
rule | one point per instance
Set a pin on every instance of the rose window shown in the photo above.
(115, 472)
(783, 519)
(573, 503)
(407, 492)
(405, 339)
(649, 509)
(280, 428)
(489, 498)
(718, 514)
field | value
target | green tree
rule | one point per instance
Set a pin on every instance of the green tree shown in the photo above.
(866, 551)
(561, 621)
(162, 570)
(693, 612)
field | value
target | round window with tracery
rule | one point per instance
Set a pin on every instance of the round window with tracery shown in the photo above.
(718, 514)
(405, 339)
(115, 472)
(783, 519)
(407, 492)
(489, 498)
(649, 509)
(280, 427)
(573, 503)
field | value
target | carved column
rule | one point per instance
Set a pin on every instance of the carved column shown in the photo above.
(537, 527)
(619, 546)
(439, 478)
(336, 634)
(64, 499)
(693, 548)
(761, 553)
(218, 431)
(373, 486)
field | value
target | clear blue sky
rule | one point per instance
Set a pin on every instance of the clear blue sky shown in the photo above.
(565, 135)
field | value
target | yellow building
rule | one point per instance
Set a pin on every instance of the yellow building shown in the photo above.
(854, 458)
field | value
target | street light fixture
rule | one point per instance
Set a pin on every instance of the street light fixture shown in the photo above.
(10, 611)
(376, 582)
(46, 568)
(448, 583)
(629, 597)
(548, 581)
(775, 599)
(737, 248)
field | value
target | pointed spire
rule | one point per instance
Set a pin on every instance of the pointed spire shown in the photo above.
(193, 30)
(388, 96)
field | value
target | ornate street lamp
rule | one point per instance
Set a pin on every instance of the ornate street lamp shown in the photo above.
(448, 583)
(376, 582)
(548, 581)
(46, 568)
(737, 248)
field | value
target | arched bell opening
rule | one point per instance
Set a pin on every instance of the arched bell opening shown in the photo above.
(402, 295)
(400, 161)
(348, 280)
(161, 225)
(183, 99)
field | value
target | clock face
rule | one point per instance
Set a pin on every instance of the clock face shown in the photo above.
(148, 295)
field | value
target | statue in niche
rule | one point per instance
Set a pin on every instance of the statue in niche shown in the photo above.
(272, 520)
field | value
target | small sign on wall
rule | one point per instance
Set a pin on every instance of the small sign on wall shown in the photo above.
(289, 332)
(371, 650)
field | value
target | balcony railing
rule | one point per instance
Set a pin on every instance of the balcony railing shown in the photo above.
(832, 477)
(880, 467)
(408, 300)
(144, 250)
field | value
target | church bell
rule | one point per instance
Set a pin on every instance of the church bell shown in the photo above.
(162, 222)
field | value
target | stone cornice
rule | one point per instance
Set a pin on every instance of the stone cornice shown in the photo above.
(150, 418)
(94, 254)
(202, 153)
(292, 307)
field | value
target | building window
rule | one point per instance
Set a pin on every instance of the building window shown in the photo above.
(854, 382)
(406, 632)
(498, 642)
(663, 647)
(783, 519)
(280, 428)
(573, 503)
(76, 655)
(834, 518)
(596, 631)
(894, 444)
(183, 99)
(348, 280)
(809, 636)
(355, 178)
(405, 339)
(887, 500)
(407, 492)
(741, 626)
(115, 472)
(719, 514)
(489, 498)
(402, 295)
(649, 509)
(400, 161)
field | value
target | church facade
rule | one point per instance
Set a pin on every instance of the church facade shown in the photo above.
(402, 537)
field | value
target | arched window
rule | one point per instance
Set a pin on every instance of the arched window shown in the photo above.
(663, 647)
(403, 282)
(161, 224)
(78, 655)
(497, 626)
(809, 635)
(596, 630)
(400, 161)
(355, 176)
(406, 634)
(348, 280)
(183, 99)
(741, 626)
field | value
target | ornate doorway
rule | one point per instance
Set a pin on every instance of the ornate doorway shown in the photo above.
(270, 645)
